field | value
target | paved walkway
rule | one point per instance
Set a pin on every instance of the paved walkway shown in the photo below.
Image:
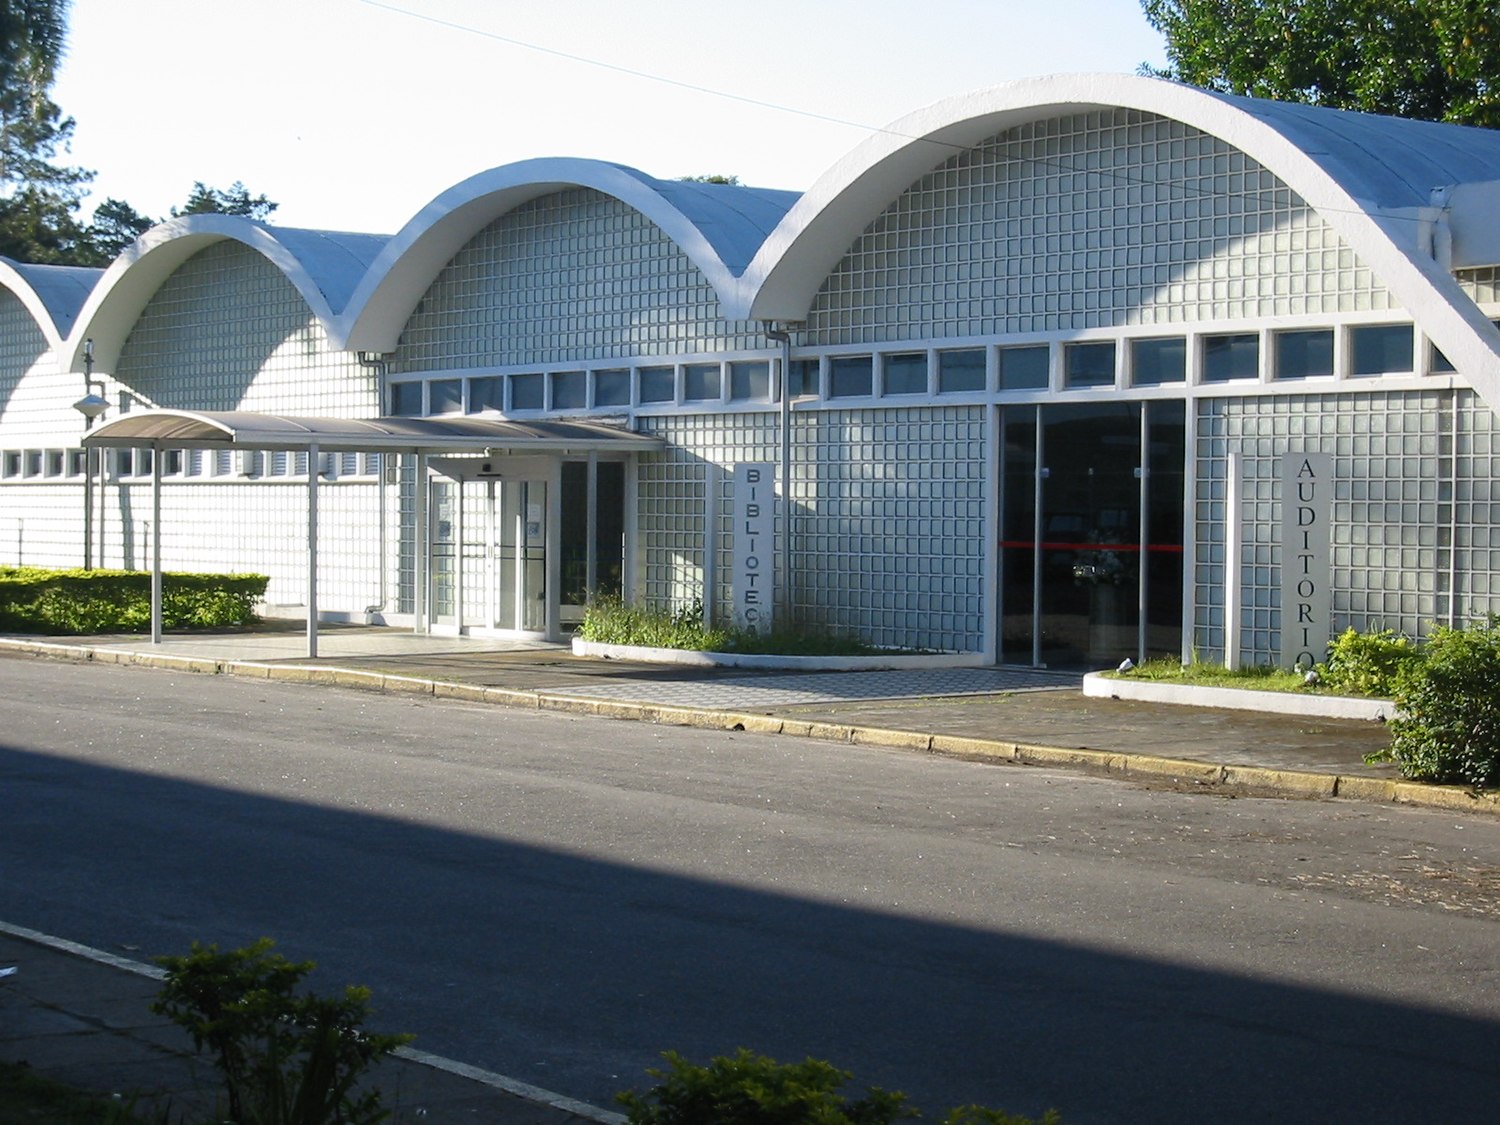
(83, 1017)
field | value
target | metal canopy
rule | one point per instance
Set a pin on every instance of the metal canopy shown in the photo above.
(240, 429)
(420, 437)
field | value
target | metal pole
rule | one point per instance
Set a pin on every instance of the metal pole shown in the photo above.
(88, 504)
(156, 453)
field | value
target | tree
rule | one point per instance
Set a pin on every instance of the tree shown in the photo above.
(38, 199)
(236, 201)
(1438, 60)
(713, 178)
(115, 225)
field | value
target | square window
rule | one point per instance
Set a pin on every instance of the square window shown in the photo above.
(1231, 357)
(406, 400)
(1304, 354)
(1381, 349)
(750, 381)
(445, 396)
(961, 370)
(1090, 365)
(905, 373)
(851, 376)
(570, 390)
(611, 388)
(12, 463)
(804, 377)
(1029, 368)
(526, 392)
(658, 384)
(1154, 362)
(54, 462)
(700, 382)
(486, 393)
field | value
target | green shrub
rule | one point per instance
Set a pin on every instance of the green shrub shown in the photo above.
(1447, 728)
(37, 600)
(1368, 663)
(286, 1059)
(613, 621)
(750, 1089)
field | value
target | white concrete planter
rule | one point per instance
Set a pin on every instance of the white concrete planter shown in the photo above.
(1097, 685)
(763, 660)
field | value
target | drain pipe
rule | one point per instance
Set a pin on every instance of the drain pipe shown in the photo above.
(375, 362)
(783, 601)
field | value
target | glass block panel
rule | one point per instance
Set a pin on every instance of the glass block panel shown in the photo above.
(611, 388)
(658, 384)
(905, 373)
(1028, 368)
(1230, 357)
(750, 381)
(406, 399)
(700, 382)
(570, 390)
(850, 376)
(1089, 365)
(1154, 362)
(526, 392)
(1304, 353)
(445, 396)
(1380, 349)
(486, 393)
(961, 370)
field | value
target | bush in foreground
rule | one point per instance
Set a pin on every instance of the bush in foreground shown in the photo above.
(1447, 728)
(287, 1058)
(750, 1089)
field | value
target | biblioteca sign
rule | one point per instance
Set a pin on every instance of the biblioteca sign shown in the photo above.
(754, 539)
(1306, 604)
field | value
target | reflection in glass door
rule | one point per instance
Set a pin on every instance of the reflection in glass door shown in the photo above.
(442, 516)
(1091, 533)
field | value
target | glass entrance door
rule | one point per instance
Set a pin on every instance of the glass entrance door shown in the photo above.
(1091, 539)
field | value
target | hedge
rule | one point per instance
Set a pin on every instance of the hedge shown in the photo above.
(38, 600)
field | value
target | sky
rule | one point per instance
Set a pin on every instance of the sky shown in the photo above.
(354, 114)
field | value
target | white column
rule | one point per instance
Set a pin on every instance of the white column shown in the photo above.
(312, 552)
(422, 545)
(1234, 551)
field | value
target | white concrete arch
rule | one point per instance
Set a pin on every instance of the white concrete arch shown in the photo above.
(130, 282)
(52, 298)
(1342, 162)
(383, 302)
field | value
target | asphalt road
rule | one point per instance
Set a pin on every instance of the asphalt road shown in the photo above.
(560, 898)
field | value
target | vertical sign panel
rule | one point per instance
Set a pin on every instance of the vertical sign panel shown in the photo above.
(754, 540)
(1306, 604)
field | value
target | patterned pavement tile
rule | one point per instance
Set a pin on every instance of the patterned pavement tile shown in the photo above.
(790, 690)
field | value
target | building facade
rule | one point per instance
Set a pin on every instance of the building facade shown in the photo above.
(1051, 374)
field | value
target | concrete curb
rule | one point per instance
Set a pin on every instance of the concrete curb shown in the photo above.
(1251, 780)
(1098, 685)
(696, 659)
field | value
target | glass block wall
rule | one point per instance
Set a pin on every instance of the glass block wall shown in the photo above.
(1097, 220)
(887, 518)
(1416, 515)
(573, 275)
(228, 331)
(35, 400)
(672, 501)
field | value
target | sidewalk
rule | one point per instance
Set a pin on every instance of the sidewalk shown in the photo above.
(1004, 714)
(82, 1016)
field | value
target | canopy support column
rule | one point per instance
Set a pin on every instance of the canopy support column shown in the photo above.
(421, 543)
(312, 551)
(156, 453)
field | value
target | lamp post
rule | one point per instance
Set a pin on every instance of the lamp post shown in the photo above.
(91, 406)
